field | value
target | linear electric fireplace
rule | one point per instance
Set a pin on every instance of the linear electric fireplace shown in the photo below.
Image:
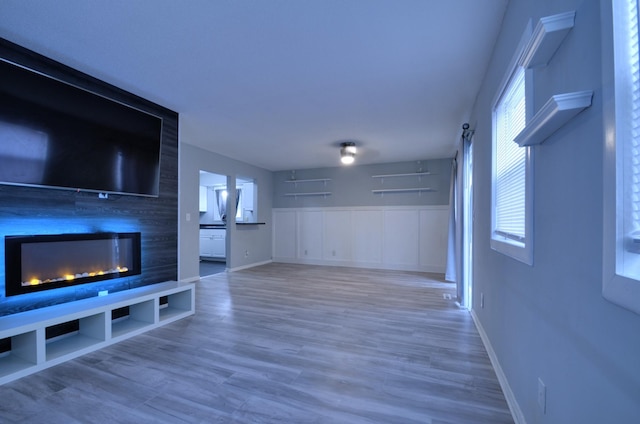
(43, 262)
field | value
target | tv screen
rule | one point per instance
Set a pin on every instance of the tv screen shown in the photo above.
(54, 134)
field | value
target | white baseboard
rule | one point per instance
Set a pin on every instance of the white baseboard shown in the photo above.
(434, 269)
(239, 268)
(516, 412)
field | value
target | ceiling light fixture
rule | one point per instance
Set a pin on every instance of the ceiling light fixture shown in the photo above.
(347, 152)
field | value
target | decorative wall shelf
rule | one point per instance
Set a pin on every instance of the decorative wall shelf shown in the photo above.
(317, 193)
(553, 115)
(418, 190)
(313, 180)
(547, 36)
(401, 175)
(409, 174)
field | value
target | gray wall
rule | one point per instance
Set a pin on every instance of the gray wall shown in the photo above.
(550, 320)
(254, 239)
(352, 185)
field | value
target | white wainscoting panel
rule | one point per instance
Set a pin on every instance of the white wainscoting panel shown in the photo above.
(411, 238)
(401, 236)
(366, 237)
(310, 230)
(337, 242)
(433, 237)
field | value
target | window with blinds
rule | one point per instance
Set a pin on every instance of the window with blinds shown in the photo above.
(628, 134)
(621, 185)
(510, 161)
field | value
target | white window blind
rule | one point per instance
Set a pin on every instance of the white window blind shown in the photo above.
(629, 148)
(510, 161)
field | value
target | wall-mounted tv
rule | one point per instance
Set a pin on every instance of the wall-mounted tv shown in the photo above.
(55, 134)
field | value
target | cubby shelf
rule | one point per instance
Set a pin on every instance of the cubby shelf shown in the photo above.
(31, 352)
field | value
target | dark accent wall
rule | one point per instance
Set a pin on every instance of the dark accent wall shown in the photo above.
(28, 210)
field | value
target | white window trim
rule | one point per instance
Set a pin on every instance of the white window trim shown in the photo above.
(519, 250)
(616, 288)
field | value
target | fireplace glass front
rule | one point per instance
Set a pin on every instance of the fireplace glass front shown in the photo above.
(42, 262)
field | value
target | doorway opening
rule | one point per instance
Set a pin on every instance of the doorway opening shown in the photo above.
(213, 223)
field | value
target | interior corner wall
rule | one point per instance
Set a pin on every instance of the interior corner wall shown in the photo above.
(550, 321)
(248, 244)
(30, 210)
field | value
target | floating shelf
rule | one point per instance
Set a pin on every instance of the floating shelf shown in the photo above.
(553, 115)
(547, 36)
(410, 174)
(313, 180)
(317, 193)
(402, 190)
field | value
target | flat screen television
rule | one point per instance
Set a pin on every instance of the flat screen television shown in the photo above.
(55, 134)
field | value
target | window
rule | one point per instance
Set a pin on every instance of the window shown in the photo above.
(621, 93)
(512, 182)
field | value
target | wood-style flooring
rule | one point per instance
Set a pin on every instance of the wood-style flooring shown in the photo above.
(283, 344)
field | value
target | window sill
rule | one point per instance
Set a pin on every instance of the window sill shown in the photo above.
(516, 250)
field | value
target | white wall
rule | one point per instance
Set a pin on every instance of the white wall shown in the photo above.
(550, 320)
(249, 244)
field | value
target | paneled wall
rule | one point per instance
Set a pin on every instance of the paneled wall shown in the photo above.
(26, 210)
(412, 238)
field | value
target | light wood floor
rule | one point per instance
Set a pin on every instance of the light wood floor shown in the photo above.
(283, 344)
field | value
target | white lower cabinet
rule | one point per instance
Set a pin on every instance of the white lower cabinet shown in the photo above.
(213, 242)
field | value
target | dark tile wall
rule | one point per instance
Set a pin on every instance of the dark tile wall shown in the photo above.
(28, 210)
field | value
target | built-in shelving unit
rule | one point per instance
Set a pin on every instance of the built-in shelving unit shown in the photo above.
(558, 110)
(547, 37)
(141, 309)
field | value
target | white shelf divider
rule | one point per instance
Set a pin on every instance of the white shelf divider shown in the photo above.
(547, 36)
(558, 110)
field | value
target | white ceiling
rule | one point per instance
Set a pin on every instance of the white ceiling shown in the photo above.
(279, 83)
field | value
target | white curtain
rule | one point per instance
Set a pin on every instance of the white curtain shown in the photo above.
(454, 271)
(451, 273)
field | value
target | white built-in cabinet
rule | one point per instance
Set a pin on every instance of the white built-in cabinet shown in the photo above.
(203, 198)
(213, 242)
(405, 238)
(101, 321)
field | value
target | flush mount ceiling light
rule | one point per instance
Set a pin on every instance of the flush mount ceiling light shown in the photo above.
(347, 152)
